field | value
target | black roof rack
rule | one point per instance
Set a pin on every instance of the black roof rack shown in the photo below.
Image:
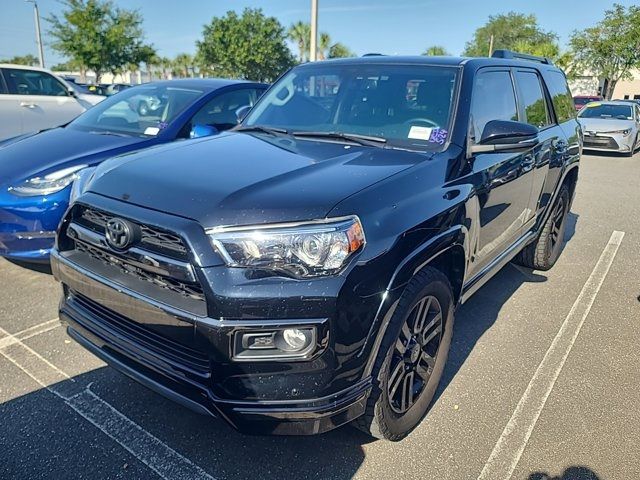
(520, 56)
(373, 55)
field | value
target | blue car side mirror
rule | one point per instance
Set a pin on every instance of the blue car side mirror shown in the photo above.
(199, 130)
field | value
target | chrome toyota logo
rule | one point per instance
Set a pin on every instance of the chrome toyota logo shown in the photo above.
(119, 233)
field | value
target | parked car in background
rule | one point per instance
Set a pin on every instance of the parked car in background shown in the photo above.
(108, 89)
(302, 270)
(36, 171)
(611, 126)
(33, 99)
(82, 93)
(581, 100)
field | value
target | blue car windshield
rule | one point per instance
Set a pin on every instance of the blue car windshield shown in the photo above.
(410, 106)
(145, 110)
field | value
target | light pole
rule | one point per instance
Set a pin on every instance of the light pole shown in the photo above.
(36, 16)
(313, 47)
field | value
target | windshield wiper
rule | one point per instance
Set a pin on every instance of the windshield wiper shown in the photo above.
(109, 132)
(275, 131)
(367, 140)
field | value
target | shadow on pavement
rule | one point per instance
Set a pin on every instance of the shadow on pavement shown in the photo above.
(35, 267)
(571, 473)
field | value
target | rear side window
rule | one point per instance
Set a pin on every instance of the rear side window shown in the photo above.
(493, 99)
(532, 99)
(32, 82)
(560, 96)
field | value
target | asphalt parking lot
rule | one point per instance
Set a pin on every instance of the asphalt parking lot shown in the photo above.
(541, 381)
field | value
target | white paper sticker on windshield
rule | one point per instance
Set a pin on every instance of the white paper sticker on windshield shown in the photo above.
(151, 131)
(420, 133)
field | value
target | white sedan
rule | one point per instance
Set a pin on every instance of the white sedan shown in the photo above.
(611, 126)
(33, 99)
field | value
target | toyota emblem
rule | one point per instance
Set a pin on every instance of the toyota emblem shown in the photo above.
(119, 233)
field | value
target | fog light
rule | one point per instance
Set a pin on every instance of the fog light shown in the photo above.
(294, 339)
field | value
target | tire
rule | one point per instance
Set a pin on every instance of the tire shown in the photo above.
(426, 302)
(544, 252)
(143, 108)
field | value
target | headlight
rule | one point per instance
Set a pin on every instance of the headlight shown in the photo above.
(80, 184)
(50, 183)
(300, 250)
(623, 132)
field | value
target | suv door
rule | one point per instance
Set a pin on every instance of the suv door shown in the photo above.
(10, 113)
(535, 107)
(503, 198)
(44, 101)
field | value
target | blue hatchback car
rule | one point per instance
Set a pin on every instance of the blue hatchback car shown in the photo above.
(37, 170)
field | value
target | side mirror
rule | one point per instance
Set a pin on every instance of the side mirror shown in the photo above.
(199, 130)
(242, 112)
(506, 135)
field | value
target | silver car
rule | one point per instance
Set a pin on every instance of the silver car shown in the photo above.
(610, 126)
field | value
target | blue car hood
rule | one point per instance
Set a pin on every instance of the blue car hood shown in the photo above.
(240, 178)
(58, 148)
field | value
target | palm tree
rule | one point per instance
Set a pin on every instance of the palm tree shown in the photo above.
(183, 64)
(300, 33)
(324, 44)
(340, 50)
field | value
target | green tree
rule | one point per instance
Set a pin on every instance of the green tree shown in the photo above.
(508, 31)
(611, 48)
(324, 45)
(250, 46)
(339, 50)
(28, 59)
(300, 34)
(435, 51)
(184, 65)
(99, 36)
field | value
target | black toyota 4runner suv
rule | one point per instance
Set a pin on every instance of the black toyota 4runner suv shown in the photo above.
(303, 270)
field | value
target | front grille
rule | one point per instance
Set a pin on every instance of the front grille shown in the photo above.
(168, 350)
(153, 239)
(600, 142)
(189, 290)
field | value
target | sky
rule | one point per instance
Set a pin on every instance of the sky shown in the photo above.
(402, 27)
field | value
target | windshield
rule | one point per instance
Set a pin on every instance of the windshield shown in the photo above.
(143, 110)
(407, 105)
(603, 110)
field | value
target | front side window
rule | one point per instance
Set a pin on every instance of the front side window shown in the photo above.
(220, 111)
(532, 99)
(33, 82)
(143, 110)
(409, 106)
(493, 99)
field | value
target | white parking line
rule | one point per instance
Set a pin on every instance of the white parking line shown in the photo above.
(30, 332)
(147, 448)
(514, 438)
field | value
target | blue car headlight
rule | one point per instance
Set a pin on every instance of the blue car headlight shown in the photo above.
(47, 184)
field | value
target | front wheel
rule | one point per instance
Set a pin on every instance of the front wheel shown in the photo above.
(411, 358)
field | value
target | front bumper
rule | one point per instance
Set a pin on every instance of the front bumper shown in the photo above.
(28, 224)
(605, 142)
(97, 312)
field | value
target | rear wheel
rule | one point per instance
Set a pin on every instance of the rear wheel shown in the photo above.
(544, 252)
(411, 358)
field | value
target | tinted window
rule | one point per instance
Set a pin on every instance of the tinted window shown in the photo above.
(220, 111)
(532, 99)
(31, 82)
(408, 105)
(607, 110)
(493, 99)
(560, 96)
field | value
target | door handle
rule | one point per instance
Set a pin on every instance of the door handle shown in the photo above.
(28, 104)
